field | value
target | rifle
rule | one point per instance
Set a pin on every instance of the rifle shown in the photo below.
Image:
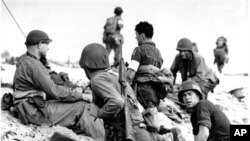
(128, 123)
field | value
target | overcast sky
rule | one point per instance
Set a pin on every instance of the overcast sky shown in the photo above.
(72, 24)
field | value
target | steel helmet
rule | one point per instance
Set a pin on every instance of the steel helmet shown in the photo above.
(94, 56)
(223, 39)
(118, 10)
(37, 36)
(190, 85)
(184, 44)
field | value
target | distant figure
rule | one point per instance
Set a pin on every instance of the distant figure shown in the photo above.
(192, 66)
(40, 101)
(221, 53)
(111, 35)
(209, 123)
(194, 47)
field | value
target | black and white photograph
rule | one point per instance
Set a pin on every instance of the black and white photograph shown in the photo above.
(125, 70)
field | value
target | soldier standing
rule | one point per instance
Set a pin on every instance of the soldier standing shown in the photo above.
(112, 37)
(145, 61)
(221, 53)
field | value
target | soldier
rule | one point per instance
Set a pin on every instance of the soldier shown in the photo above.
(192, 66)
(38, 100)
(108, 103)
(150, 83)
(209, 123)
(221, 53)
(146, 60)
(111, 35)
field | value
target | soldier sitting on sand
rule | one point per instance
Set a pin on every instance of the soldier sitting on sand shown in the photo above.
(38, 100)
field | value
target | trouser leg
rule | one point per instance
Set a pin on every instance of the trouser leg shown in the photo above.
(117, 55)
(141, 134)
(93, 127)
(76, 116)
(206, 87)
(146, 95)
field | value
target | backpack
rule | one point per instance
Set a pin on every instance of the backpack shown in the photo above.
(110, 26)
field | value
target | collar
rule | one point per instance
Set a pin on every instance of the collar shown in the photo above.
(31, 55)
(148, 43)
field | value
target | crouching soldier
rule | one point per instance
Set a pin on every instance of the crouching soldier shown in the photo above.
(192, 66)
(209, 123)
(108, 100)
(38, 100)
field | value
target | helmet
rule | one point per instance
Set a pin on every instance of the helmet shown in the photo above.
(221, 38)
(190, 85)
(37, 36)
(184, 44)
(94, 56)
(118, 11)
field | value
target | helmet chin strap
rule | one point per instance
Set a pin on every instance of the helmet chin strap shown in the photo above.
(189, 56)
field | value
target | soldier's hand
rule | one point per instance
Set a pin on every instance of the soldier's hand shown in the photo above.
(130, 74)
(163, 130)
(64, 76)
(94, 110)
(87, 97)
(78, 90)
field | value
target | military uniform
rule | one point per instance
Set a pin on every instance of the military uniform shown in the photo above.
(107, 96)
(221, 53)
(204, 76)
(147, 54)
(150, 61)
(113, 40)
(205, 113)
(58, 106)
(194, 68)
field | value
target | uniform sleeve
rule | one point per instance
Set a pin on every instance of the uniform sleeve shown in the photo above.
(160, 57)
(226, 49)
(113, 102)
(201, 68)
(136, 55)
(42, 81)
(174, 67)
(203, 115)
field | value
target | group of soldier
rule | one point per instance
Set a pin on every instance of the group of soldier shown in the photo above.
(40, 99)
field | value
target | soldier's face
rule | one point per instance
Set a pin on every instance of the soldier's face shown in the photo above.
(190, 98)
(43, 48)
(139, 38)
(184, 54)
(220, 42)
